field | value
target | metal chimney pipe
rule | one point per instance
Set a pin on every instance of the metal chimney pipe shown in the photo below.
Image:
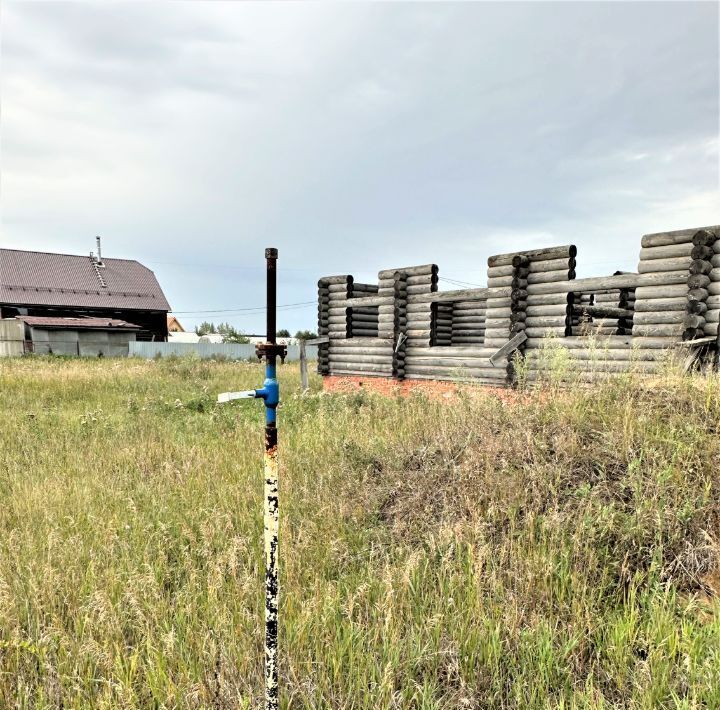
(99, 253)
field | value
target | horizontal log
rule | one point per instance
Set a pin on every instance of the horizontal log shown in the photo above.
(360, 360)
(592, 366)
(499, 281)
(651, 329)
(665, 291)
(710, 328)
(496, 381)
(548, 299)
(714, 288)
(361, 367)
(661, 239)
(712, 316)
(467, 332)
(564, 264)
(600, 354)
(553, 309)
(635, 281)
(450, 371)
(659, 317)
(472, 316)
(421, 270)
(463, 294)
(506, 270)
(428, 280)
(544, 332)
(467, 340)
(715, 261)
(665, 252)
(421, 288)
(330, 280)
(364, 332)
(603, 311)
(543, 277)
(451, 351)
(498, 303)
(377, 352)
(363, 301)
(608, 342)
(546, 321)
(470, 305)
(676, 303)
(714, 274)
(414, 363)
(713, 301)
(676, 263)
(559, 252)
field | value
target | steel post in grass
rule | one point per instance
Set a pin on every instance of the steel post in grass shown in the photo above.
(270, 394)
(271, 487)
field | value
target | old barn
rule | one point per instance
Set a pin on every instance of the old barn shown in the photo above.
(48, 285)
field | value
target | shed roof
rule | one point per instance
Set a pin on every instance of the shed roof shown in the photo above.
(42, 278)
(51, 322)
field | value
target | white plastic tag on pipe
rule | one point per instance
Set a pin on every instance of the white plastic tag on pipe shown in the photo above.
(229, 396)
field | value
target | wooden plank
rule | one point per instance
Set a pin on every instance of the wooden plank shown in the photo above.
(508, 348)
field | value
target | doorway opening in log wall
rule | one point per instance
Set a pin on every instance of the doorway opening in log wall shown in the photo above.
(363, 322)
(600, 313)
(457, 323)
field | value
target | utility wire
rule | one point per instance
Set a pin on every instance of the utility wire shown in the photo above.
(256, 309)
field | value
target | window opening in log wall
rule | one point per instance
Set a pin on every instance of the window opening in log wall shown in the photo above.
(457, 323)
(363, 322)
(601, 313)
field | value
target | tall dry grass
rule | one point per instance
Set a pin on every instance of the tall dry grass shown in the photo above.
(560, 551)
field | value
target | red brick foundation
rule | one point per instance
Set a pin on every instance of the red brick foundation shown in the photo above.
(387, 386)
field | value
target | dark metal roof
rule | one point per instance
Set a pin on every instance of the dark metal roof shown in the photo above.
(41, 278)
(77, 323)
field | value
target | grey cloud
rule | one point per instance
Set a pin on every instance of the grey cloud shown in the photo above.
(355, 137)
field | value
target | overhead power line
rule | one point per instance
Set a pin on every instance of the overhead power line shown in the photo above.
(255, 309)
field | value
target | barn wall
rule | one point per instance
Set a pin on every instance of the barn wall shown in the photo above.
(12, 337)
(153, 324)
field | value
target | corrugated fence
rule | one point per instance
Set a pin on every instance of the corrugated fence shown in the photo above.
(229, 351)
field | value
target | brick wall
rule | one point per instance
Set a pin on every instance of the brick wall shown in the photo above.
(390, 387)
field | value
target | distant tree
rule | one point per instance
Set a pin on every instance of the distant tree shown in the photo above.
(232, 335)
(205, 328)
(284, 333)
(305, 335)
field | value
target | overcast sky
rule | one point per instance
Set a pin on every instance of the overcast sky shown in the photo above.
(353, 137)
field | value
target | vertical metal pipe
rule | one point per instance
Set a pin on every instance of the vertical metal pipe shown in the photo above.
(271, 256)
(271, 492)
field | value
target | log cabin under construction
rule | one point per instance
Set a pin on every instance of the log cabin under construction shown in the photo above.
(403, 328)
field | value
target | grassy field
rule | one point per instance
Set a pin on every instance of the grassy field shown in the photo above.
(560, 551)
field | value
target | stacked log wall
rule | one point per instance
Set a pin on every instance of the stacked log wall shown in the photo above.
(420, 333)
